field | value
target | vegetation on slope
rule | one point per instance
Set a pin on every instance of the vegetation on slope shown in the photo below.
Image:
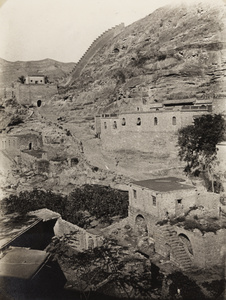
(100, 202)
(197, 146)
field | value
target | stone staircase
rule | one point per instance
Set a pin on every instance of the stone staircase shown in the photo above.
(178, 253)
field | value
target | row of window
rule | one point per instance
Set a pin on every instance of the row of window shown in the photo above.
(174, 122)
(10, 142)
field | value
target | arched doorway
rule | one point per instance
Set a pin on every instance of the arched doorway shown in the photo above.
(141, 226)
(30, 146)
(186, 242)
(39, 103)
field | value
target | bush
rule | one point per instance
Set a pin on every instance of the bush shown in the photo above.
(101, 202)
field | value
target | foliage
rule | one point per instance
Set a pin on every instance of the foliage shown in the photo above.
(22, 79)
(197, 144)
(100, 201)
(106, 269)
(46, 79)
(188, 288)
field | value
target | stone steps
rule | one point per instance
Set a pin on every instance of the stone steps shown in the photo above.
(179, 253)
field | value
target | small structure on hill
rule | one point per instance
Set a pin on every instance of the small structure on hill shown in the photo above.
(35, 79)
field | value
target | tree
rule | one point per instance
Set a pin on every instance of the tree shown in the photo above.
(198, 144)
(22, 79)
(46, 79)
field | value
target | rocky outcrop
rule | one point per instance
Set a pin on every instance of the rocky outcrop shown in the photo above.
(177, 52)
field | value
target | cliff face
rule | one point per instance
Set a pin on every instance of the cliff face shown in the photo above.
(176, 52)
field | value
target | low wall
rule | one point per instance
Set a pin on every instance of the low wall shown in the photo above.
(81, 239)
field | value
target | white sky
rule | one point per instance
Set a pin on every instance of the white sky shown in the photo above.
(63, 29)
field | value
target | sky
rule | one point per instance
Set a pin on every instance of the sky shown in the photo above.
(63, 29)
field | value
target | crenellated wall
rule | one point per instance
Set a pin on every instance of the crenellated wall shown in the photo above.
(97, 44)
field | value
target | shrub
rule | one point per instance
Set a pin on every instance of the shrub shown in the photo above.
(100, 201)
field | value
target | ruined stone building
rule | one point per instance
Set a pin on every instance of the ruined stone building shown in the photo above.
(154, 203)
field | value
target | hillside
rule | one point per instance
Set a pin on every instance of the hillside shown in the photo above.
(10, 71)
(176, 52)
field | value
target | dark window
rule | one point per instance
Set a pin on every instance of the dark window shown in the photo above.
(105, 125)
(123, 121)
(179, 201)
(30, 146)
(115, 125)
(39, 103)
(138, 121)
(174, 121)
(155, 121)
(154, 200)
(40, 80)
(138, 108)
(134, 194)
(31, 80)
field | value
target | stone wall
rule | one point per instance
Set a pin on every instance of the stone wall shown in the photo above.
(219, 106)
(29, 94)
(21, 142)
(165, 204)
(206, 248)
(81, 240)
(156, 132)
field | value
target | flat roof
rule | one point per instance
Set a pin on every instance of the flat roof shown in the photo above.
(164, 184)
(22, 263)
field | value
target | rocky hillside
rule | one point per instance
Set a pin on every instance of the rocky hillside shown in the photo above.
(174, 53)
(10, 71)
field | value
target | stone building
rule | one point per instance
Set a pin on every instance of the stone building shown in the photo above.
(35, 79)
(141, 129)
(154, 203)
(30, 141)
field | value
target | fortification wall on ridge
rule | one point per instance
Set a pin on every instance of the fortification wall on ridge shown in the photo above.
(97, 44)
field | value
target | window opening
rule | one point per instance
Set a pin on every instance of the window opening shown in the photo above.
(123, 121)
(105, 125)
(115, 125)
(155, 121)
(174, 121)
(138, 121)
(134, 194)
(39, 103)
(154, 200)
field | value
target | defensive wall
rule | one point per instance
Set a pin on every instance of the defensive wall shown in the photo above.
(154, 131)
(97, 44)
(34, 94)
